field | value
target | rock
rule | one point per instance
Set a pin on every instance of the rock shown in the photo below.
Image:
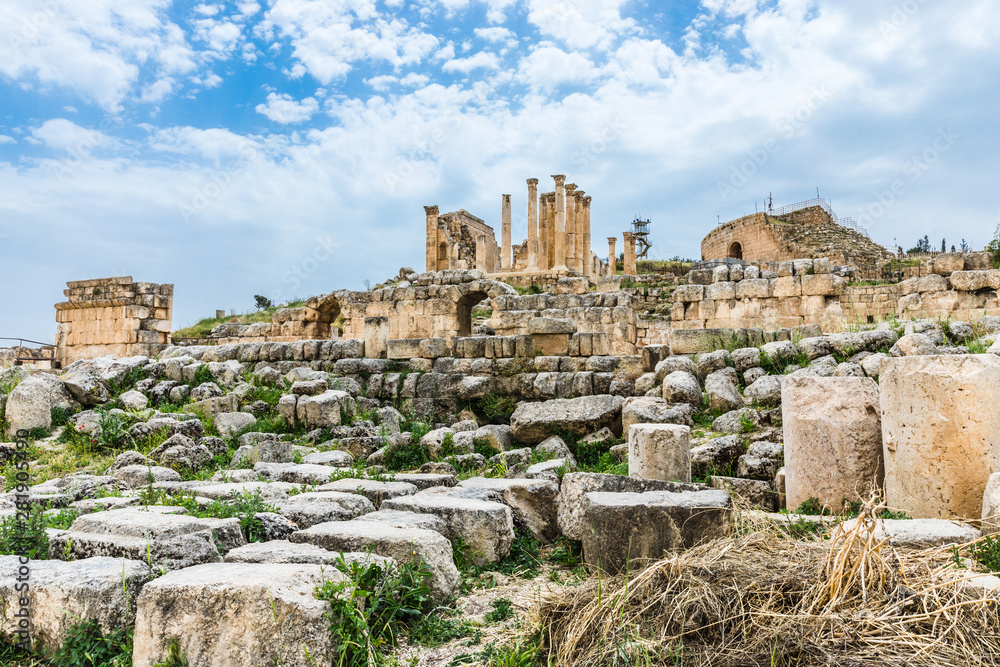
(939, 414)
(62, 594)
(139, 476)
(389, 419)
(722, 391)
(652, 410)
(309, 509)
(755, 467)
(333, 457)
(575, 486)
(235, 614)
(552, 470)
(170, 541)
(324, 410)
(434, 440)
(752, 375)
(405, 545)
(375, 491)
(736, 421)
(710, 362)
(672, 365)
(500, 437)
(555, 448)
(231, 423)
(765, 392)
(204, 391)
(748, 492)
(682, 387)
(180, 393)
(181, 451)
(230, 490)
(235, 476)
(85, 388)
(283, 551)
(400, 519)
(30, 404)
(716, 456)
(464, 425)
(659, 451)
(533, 501)
(127, 458)
(273, 526)
(779, 352)
(551, 325)
(78, 486)
(425, 481)
(872, 366)
(438, 468)
(833, 439)
(991, 505)
(101, 504)
(626, 529)
(487, 528)
(921, 533)
(295, 473)
(916, 344)
(213, 444)
(746, 358)
(309, 387)
(533, 422)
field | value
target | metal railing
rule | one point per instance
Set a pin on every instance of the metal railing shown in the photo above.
(849, 223)
(19, 359)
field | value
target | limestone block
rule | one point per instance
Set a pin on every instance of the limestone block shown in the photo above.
(533, 501)
(826, 284)
(626, 529)
(405, 348)
(721, 291)
(947, 264)
(551, 325)
(533, 422)
(833, 439)
(720, 274)
(991, 505)
(309, 509)
(787, 286)
(970, 281)
(940, 433)
(915, 345)
(659, 451)
(721, 389)
(403, 544)
(689, 293)
(753, 289)
(921, 533)
(235, 614)
(682, 387)
(62, 594)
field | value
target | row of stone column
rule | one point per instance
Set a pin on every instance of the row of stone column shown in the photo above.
(629, 265)
(558, 229)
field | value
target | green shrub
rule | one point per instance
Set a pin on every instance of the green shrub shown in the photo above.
(174, 656)
(440, 628)
(405, 457)
(87, 646)
(497, 407)
(371, 606)
(25, 537)
(60, 416)
(986, 552)
(202, 375)
(128, 381)
(500, 610)
(484, 447)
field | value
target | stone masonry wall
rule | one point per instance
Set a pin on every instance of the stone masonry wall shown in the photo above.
(113, 316)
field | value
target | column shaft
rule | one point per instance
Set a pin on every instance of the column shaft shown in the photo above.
(505, 263)
(432, 236)
(560, 223)
(532, 224)
(612, 258)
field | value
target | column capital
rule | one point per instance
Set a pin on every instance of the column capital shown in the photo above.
(570, 188)
(586, 201)
(628, 236)
(533, 181)
(612, 240)
(431, 210)
(560, 179)
(506, 197)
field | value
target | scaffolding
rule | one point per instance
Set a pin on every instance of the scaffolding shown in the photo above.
(640, 228)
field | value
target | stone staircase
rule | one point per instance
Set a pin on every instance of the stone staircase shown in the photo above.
(814, 234)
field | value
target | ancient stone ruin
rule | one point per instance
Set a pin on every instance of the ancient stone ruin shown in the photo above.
(752, 449)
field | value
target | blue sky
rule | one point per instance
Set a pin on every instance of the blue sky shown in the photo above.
(287, 147)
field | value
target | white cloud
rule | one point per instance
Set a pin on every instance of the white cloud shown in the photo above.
(548, 67)
(7, 139)
(496, 34)
(62, 134)
(285, 110)
(482, 60)
(580, 24)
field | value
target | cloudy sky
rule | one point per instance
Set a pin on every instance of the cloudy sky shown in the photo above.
(287, 147)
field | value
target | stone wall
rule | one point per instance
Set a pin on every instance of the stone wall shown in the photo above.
(964, 295)
(113, 316)
(869, 303)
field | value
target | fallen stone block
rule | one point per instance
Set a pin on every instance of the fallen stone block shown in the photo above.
(626, 529)
(309, 509)
(237, 614)
(283, 551)
(659, 451)
(405, 545)
(533, 422)
(486, 528)
(921, 533)
(533, 501)
(748, 492)
(62, 594)
(575, 485)
(376, 492)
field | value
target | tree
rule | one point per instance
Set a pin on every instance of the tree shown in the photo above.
(964, 247)
(993, 247)
(944, 246)
(953, 247)
(262, 302)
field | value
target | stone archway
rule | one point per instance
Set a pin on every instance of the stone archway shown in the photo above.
(321, 314)
(735, 250)
(466, 303)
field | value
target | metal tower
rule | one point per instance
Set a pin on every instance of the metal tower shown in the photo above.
(640, 228)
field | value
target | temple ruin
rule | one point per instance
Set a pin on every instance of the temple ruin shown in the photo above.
(558, 240)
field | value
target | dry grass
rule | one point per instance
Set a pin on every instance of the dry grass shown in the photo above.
(759, 599)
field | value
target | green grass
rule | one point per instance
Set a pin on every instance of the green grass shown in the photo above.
(202, 328)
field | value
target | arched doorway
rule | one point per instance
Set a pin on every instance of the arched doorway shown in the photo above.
(735, 250)
(465, 305)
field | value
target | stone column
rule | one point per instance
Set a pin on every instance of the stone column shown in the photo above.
(571, 226)
(580, 254)
(532, 224)
(550, 230)
(629, 268)
(833, 439)
(659, 451)
(940, 433)
(505, 234)
(559, 263)
(432, 237)
(612, 258)
(588, 261)
(482, 256)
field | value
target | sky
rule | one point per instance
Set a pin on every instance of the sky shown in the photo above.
(287, 147)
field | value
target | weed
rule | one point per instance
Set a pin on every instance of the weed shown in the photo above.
(484, 447)
(202, 375)
(405, 457)
(986, 552)
(60, 416)
(440, 628)
(500, 610)
(174, 656)
(87, 646)
(25, 537)
(497, 407)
